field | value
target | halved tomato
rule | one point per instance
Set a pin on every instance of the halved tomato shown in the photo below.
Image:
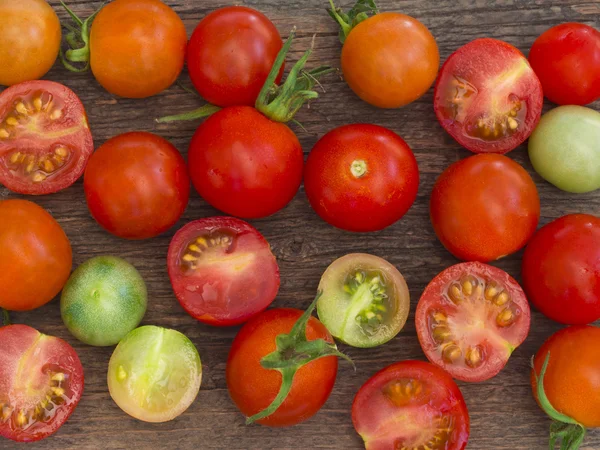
(470, 319)
(41, 382)
(487, 96)
(45, 139)
(222, 270)
(411, 405)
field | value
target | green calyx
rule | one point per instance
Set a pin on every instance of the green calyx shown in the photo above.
(78, 39)
(293, 352)
(5, 317)
(362, 10)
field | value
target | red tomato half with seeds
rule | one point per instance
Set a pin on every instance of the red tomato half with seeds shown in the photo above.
(487, 96)
(41, 382)
(45, 139)
(222, 270)
(470, 319)
(411, 405)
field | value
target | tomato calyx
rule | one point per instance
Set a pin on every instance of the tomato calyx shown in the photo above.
(78, 39)
(361, 11)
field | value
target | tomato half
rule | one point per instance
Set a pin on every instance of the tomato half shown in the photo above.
(411, 405)
(470, 319)
(137, 185)
(41, 382)
(487, 97)
(45, 139)
(213, 265)
(361, 177)
(484, 207)
(561, 269)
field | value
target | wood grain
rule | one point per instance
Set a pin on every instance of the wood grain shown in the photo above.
(503, 412)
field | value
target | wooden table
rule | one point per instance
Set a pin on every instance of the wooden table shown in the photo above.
(503, 412)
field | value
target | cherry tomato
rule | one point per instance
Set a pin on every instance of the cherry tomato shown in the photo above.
(45, 139)
(561, 269)
(487, 97)
(136, 185)
(36, 256)
(230, 55)
(41, 382)
(566, 58)
(484, 207)
(361, 177)
(409, 405)
(470, 319)
(213, 265)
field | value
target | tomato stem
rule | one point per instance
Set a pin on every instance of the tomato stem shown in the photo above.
(362, 10)
(78, 40)
(203, 111)
(5, 317)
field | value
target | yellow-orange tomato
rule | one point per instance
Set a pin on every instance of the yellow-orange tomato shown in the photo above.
(30, 38)
(390, 60)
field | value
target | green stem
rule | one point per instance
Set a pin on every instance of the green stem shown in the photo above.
(78, 40)
(5, 317)
(203, 111)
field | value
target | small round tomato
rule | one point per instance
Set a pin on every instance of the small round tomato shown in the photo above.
(561, 269)
(45, 139)
(470, 319)
(154, 374)
(565, 148)
(487, 97)
(36, 256)
(484, 207)
(28, 48)
(230, 55)
(136, 185)
(410, 405)
(566, 58)
(361, 177)
(41, 382)
(213, 265)
(365, 300)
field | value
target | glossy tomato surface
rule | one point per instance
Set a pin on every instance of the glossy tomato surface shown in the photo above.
(253, 388)
(411, 404)
(488, 97)
(230, 55)
(470, 319)
(484, 207)
(41, 382)
(136, 185)
(361, 177)
(561, 269)
(245, 164)
(45, 139)
(36, 256)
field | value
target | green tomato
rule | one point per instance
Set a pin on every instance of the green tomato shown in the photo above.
(104, 299)
(565, 148)
(154, 374)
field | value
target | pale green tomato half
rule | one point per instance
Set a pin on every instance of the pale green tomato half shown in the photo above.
(154, 374)
(565, 148)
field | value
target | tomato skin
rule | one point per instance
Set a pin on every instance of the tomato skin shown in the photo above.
(136, 185)
(561, 269)
(484, 207)
(36, 256)
(369, 202)
(555, 54)
(253, 388)
(245, 164)
(230, 55)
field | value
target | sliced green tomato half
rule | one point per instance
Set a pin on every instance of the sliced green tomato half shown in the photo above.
(365, 300)
(154, 374)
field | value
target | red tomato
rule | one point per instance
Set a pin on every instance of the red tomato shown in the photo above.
(230, 55)
(484, 207)
(566, 58)
(488, 97)
(245, 164)
(410, 405)
(45, 139)
(361, 177)
(561, 269)
(470, 319)
(213, 265)
(41, 382)
(136, 185)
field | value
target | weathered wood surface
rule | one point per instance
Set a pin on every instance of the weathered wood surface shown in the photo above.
(503, 412)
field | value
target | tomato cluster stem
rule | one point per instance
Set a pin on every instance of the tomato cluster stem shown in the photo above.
(78, 39)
